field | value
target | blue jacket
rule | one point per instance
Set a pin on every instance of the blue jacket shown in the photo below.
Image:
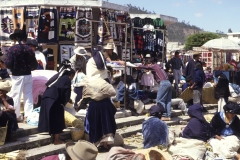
(199, 78)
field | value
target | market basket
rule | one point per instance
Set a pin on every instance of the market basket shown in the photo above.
(186, 95)
(3, 134)
(208, 96)
(77, 134)
(71, 120)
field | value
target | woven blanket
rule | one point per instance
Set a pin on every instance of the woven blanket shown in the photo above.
(31, 19)
(7, 26)
(18, 14)
(67, 22)
(83, 27)
(47, 29)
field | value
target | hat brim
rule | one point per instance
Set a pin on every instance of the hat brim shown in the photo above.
(80, 54)
(68, 148)
(108, 48)
(14, 35)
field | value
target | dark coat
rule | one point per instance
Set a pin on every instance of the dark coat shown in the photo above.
(222, 87)
(217, 125)
(198, 127)
(51, 118)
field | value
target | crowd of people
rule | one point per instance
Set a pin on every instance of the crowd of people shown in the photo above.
(100, 124)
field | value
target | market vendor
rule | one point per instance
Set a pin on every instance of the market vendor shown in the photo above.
(78, 60)
(41, 59)
(111, 56)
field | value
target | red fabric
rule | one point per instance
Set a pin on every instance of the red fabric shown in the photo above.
(53, 157)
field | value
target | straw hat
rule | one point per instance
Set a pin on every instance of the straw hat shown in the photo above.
(82, 150)
(109, 46)
(80, 51)
(154, 153)
(5, 85)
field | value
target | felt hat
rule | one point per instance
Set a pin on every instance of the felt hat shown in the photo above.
(82, 150)
(154, 153)
(17, 34)
(80, 51)
(232, 107)
(32, 42)
(5, 85)
(109, 46)
(189, 78)
(197, 53)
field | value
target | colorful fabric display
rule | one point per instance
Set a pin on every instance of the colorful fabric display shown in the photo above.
(138, 40)
(18, 14)
(67, 22)
(47, 29)
(66, 51)
(32, 18)
(84, 27)
(137, 22)
(7, 26)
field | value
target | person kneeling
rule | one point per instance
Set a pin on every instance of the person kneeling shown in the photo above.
(7, 112)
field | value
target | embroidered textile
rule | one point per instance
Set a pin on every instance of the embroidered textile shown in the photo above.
(31, 19)
(47, 29)
(7, 26)
(67, 22)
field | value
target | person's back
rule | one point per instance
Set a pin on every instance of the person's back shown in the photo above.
(21, 60)
(155, 132)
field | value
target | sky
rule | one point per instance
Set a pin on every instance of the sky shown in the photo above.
(210, 15)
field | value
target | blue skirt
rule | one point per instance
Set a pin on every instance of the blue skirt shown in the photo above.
(100, 120)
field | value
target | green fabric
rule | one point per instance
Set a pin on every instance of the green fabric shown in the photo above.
(158, 22)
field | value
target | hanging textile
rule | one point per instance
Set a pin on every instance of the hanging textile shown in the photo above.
(31, 19)
(7, 26)
(158, 23)
(110, 16)
(51, 52)
(47, 29)
(159, 41)
(121, 18)
(67, 22)
(18, 14)
(66, 51)
(149, 40)
(84, 27)
(148, 21)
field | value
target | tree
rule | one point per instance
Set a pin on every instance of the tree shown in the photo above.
(198, 39)
(229, 30)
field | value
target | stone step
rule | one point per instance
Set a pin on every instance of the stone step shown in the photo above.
(128, 131)
(32, 141)
(43, 151)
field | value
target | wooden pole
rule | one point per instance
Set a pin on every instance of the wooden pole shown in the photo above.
(125, 68)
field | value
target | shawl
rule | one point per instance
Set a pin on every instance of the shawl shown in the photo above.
(198, 127)
(98, 58)
(155, 132)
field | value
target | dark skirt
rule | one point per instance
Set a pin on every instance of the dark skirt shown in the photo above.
(12, 122)
(51, 118)
(100, 120)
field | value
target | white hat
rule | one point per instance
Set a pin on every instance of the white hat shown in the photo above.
(80, 51)
(109, 46)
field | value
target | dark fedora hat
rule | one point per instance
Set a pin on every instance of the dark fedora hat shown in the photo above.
(17, 34)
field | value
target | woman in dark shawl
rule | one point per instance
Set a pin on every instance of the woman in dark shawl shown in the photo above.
(155, 131)
(226, 131)
(100, 121)
(7, 112)
(222, 91)
(55, 97)
(198, 127)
